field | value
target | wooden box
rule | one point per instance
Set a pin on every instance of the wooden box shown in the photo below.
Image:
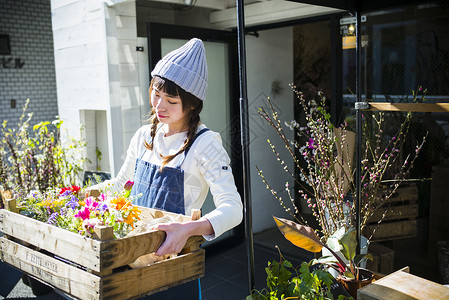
(401, 285)
(399, 222)
(90, 268)
(383, 259)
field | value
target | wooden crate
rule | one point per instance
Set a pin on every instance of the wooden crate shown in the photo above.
(399, 221)
(90, 268)
(383, 259)
(401, 285)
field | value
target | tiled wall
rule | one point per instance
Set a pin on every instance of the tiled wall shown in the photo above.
(29, 71)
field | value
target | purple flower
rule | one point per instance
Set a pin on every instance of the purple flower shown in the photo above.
(73, 203)
(66, 193)
(52, 218)
(102, 207)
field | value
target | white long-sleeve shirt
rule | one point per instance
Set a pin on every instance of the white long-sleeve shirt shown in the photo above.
(207, 165)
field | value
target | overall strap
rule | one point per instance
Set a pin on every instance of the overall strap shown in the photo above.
(194, 139)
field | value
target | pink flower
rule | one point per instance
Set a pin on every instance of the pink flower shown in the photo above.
(128, 185)
(91, 223)
(311, 144)
(90, 203)
(102, 197)
(83, 214)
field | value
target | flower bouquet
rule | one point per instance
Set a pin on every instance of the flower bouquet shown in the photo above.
(68, 208)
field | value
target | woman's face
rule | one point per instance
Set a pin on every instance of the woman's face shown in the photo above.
(168, 109)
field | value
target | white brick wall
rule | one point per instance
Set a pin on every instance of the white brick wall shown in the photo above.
(28, 24)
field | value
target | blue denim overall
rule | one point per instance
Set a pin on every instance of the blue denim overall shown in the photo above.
(164, 190)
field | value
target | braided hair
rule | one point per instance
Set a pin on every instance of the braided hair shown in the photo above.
(190, 103)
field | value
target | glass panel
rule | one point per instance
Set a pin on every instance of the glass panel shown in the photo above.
(406, 52)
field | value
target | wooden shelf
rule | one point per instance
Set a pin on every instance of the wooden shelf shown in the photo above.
(415, 107)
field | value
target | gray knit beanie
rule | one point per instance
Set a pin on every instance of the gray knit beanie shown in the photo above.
(187, 67)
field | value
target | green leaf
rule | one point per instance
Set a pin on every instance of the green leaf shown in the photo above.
(349, 243)
(299, 235)
(349, 274)
(333, 243)
(362, 257)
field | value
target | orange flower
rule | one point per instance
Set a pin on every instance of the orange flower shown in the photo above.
(120, 203)
(133, 214)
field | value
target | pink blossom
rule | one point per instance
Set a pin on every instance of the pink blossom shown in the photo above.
(83, 214)
(311, 144)
(91, 203)
(91, 223)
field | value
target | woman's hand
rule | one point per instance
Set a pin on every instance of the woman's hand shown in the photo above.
(178, 233)
(177, 236)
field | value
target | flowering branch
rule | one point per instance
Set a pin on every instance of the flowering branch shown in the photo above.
(325, 173)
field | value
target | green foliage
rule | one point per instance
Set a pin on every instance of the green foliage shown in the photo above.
(35, 157)
(285, 282)
(345, 241)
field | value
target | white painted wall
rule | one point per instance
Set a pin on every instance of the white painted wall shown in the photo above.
(269, 63)
(97, 73)
(125, 102)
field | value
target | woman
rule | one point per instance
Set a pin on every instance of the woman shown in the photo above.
(176, 159)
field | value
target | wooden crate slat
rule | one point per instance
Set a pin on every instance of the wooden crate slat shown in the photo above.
(395, 213)
(401, 211)
(120, 252)
(59, 274)
(405, 194)
(69, 245)
(154, 278)
(416, 107)
(393, 230)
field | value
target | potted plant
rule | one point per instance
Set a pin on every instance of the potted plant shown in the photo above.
(350, 275)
